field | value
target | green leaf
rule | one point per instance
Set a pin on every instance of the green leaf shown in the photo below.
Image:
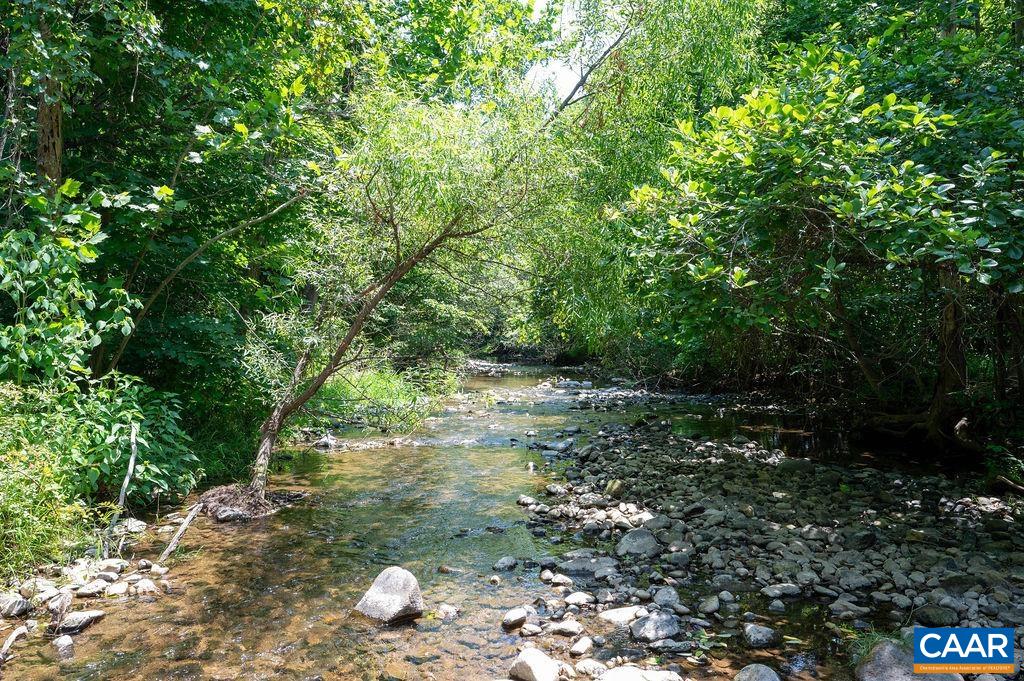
(70, 188)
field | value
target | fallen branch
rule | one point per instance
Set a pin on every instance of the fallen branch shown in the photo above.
(1003, 483)
(181, 531)
(5, 651)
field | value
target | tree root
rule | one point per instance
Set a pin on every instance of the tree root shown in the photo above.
(240, 502)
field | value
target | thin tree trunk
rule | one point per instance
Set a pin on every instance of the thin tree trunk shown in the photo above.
(952, 361)
(999, 347)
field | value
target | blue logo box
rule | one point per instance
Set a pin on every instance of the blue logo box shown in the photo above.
(963, 650)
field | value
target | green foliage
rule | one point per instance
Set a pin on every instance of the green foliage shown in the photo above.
(39, 523)
(379, 397)
(58, 316)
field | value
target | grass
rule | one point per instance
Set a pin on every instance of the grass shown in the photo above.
(860, 643)
(379, 397)
(38, 523)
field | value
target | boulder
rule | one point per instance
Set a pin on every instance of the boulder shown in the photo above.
(534, 665)
(394, 596)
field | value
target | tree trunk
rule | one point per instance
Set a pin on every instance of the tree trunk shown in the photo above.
(952, 369)
(1018, 24)
(49, 127)
(999, 346)
(268, 438)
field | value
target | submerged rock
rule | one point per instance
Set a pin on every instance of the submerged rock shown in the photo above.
(394, 596)
(756, 672)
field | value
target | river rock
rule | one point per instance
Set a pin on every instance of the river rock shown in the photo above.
(937, 616)
(505, 564)
(582, 647)
(579, 598)
(13, 605)
(666, 597)
(116, 589)
(756, 672)
(590, 667)
(587, 568)
(93, 588)
(394, 596)
(654, 627)
(516, 617)
(758, 636)
(35, 586)
(777, 590)
(629, 673)
(78, 620)
(65, 647)
(534, 665)
(639, 542)
(568, 627)
(623, 616)
(888, 661)
(709, 605)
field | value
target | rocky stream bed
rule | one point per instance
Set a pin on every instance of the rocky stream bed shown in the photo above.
(542, 529)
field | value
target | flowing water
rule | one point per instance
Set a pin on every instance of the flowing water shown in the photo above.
(274, 598)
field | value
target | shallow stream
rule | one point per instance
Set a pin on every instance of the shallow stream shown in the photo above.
(273, 599)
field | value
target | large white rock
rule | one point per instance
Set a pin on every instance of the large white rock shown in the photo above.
(534, 665)
(394, 596)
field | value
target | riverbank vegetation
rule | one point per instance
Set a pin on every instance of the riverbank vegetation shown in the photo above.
(225, 222)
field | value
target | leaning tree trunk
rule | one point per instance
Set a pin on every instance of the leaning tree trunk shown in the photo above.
(268, 438)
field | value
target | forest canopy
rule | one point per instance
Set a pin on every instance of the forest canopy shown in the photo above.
(226, 220)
